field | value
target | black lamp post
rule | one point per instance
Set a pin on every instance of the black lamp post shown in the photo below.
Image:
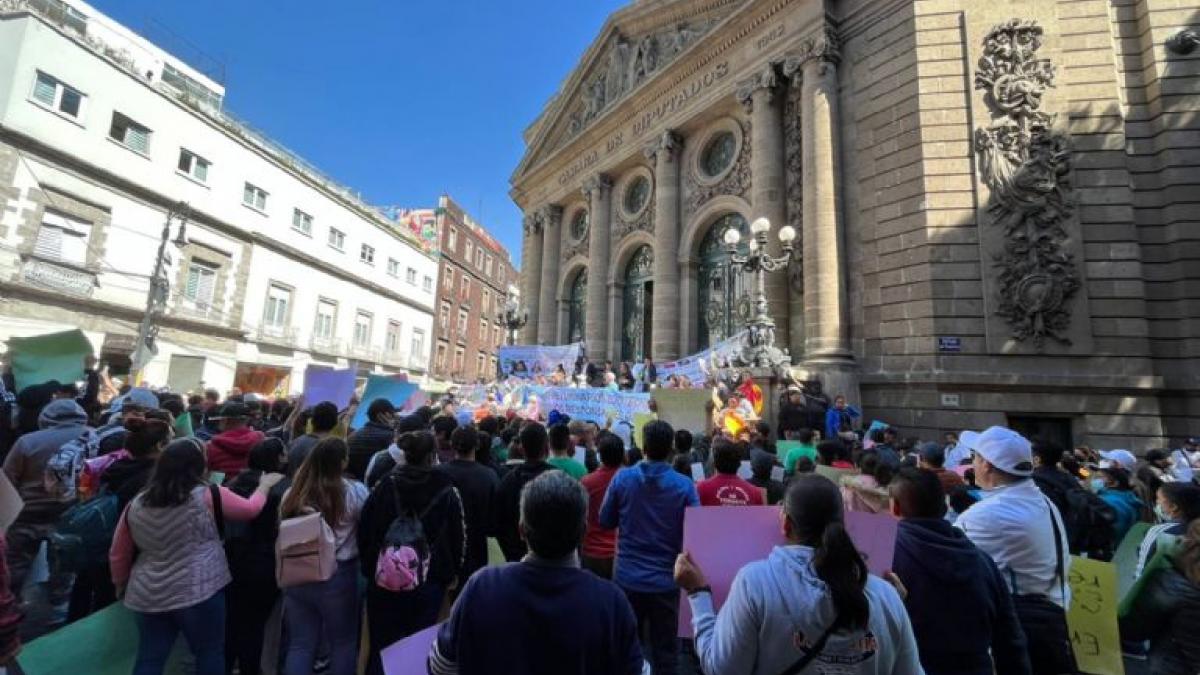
(759, 349)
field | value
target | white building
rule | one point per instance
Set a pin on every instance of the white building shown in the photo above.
(102, 134)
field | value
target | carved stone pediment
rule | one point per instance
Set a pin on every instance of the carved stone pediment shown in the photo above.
(636, 44)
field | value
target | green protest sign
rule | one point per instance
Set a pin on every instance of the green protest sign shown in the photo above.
(53, 356)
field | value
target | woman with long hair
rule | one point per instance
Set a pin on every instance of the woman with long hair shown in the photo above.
(411, 487)
(810, 602)
(250, 549)
(328, 608)
(168, 563)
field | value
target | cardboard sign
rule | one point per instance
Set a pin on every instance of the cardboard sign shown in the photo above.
(777, 473)
(382, 386)
(1092, 618)
(683, 408)
(53, 356)
(721, 540)
(410, 654)
(327, 384)
(835, 474)
(640, 420)
(697, 471)
(1125, 559)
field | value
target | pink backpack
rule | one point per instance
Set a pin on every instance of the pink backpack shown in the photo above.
(305, 551)
(403, 562)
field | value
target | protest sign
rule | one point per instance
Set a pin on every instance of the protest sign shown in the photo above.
(52, 356)
(10, 502)
(591, 404)
(721, 540)
(1125, 559)
(382, 386)
(410, 654)
(777, 473)
(683, 408)
(834, 474)
(102, 643)
(744, 471)
(1092, 617)
(528, 361)
(697, 471)
(327, 384)
(640, 420)
(692, 368)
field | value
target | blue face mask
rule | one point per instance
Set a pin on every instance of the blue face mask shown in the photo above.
(1161, 513)
(1097, 484)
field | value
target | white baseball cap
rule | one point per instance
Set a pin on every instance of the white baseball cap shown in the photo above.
(1003, 448)
(1121, 459)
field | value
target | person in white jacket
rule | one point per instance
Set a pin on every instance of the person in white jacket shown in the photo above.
(809, 607)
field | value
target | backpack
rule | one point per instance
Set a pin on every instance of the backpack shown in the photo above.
(403, 562)
(61, 477)
(305, 551)
(1090, 521)
(84, 534)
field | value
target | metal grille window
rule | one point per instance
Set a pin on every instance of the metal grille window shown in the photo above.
(201, 283)
(130, 134)
(52, 93)
(62, 238)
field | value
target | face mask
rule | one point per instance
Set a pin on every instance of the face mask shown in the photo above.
(1161, 513)
(1097, 484)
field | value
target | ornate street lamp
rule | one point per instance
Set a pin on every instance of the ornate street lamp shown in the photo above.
(513, 318)
(759, 349)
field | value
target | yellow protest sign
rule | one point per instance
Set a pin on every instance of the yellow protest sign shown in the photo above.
(640, 420)
(1092, 618)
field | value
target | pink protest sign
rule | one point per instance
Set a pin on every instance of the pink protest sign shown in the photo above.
(722, 539)
(410, 654)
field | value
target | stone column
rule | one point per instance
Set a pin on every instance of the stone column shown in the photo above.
(761, 96)
(689, 302)
(547, 332)
(531, 275)
(613, 330)
(664, 328)
(827, 321)
(598, 191)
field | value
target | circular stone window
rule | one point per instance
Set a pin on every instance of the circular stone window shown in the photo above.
(636, 195)
(579, 225)
(718, 154)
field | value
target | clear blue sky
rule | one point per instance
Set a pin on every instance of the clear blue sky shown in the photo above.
(401, 100)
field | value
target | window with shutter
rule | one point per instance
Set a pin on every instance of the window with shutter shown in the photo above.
(200, 286)
(129, 133)
(45, 89)
(49, 242)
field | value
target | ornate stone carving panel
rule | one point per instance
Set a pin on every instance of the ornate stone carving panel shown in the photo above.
(793, 158)
(736, 183)
(644, 221)
(1026, 165)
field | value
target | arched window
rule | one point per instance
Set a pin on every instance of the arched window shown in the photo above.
(577, 307)
(720, 289)
(637, 307)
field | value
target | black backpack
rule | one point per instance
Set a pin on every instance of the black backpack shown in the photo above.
(1090, 521)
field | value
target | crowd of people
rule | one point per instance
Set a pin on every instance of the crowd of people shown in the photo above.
(265, 534)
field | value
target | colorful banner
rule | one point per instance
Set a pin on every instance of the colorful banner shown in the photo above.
(327, 384)
(722, 539)
(529, 361)
(699, 366)
(591, 404)
(52, 356)
(382, 386)
(1092, 617)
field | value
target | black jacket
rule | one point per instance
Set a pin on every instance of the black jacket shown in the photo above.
(1167, 613)
(507, 507)
(476, 485)
(250, 545)
(126, 477)
(792, 418)
(414, 487)
(364, 443)
(958, 602)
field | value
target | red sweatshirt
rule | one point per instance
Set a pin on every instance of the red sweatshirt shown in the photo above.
(726, 489)
(229, 451)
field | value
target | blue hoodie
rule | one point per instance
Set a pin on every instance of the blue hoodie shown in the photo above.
(1128, 508)
(778, 603)
(645, 503)
(959, 604)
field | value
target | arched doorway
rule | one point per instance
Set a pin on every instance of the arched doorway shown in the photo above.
(720, 290)
(637, 305)
(577, 306)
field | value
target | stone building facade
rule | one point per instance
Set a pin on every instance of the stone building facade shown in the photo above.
(474, 273)
(996, 203)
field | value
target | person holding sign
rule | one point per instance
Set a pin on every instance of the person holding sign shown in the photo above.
(809, 602)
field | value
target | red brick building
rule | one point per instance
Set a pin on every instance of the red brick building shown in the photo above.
(474, 276)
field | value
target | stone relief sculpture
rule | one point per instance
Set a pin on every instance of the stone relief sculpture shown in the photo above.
(644, 222)
(736, 183)
(627, 64)
(1026, 165)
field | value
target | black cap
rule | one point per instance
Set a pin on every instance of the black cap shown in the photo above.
(230, 410)
(933, 453)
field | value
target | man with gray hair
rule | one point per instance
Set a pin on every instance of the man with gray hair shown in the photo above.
(557, 617)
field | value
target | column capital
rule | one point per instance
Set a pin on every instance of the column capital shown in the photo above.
(532, 222)
(820, 47)
(765, 80)
(599, 183)
(666, 146)
(551, 215)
